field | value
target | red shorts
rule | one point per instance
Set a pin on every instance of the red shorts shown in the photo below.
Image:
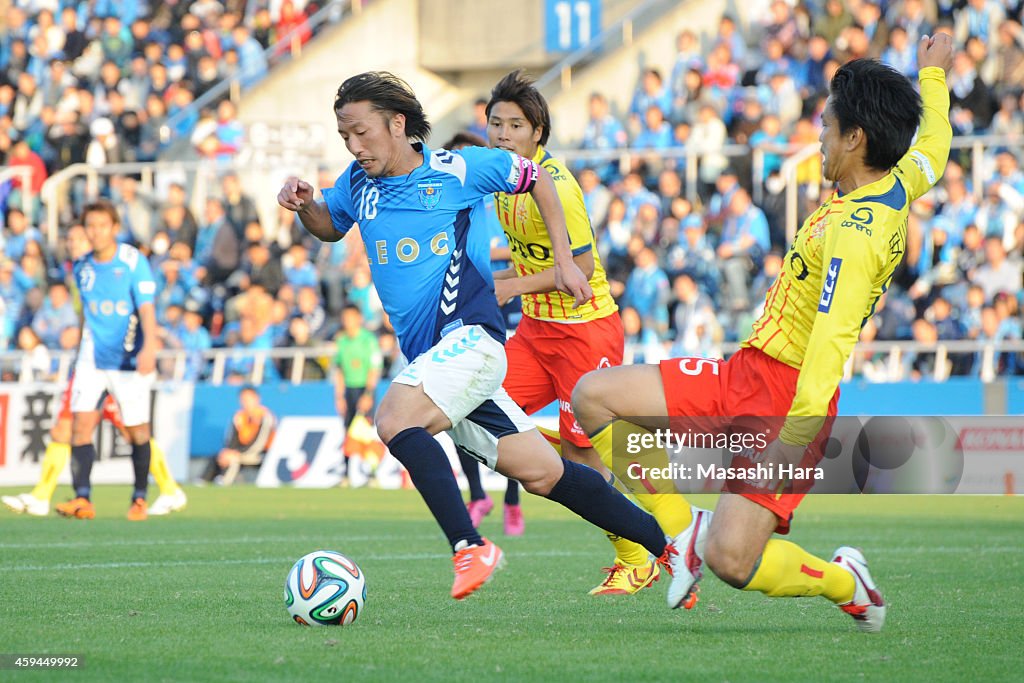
(546, 359)
(111, 413)
(750, 383)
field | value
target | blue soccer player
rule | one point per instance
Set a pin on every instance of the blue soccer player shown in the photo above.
(117, 354)
(433, 275)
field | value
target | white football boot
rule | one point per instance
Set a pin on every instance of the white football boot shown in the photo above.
(27, 503)
(687, 560)
(867, 607)
(166, 504)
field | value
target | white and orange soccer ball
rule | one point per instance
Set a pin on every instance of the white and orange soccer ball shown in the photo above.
(325, 588)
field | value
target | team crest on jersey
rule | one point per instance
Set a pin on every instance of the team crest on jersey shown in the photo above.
(522, 215)
(818, 229)
(429, 192)
(87, 278)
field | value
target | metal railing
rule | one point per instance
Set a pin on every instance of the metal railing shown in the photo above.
(217, 364)
(54, 200)
(690, 160)
(198, 175)
(789, 175)
(232, 86)
(978, 144)
(618, 34)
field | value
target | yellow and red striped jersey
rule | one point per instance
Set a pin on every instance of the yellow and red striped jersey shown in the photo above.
(841, 262)
(531, 246)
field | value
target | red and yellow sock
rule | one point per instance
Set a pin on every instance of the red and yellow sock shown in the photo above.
(158, 468)
(657, 496)
(788, 571)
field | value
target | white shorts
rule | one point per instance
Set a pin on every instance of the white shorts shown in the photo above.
(130, 389)
(462, 375)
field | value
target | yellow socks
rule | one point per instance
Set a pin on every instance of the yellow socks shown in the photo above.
(58, 454)
(158, 468)
(553, 437)
(629, 552)
(787, 571)
(657, 496)
(54, 461)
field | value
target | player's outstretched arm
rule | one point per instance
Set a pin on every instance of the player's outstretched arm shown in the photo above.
(508, 285)
(849, 268)
(297, 195)
(924, 163)
(569, 278)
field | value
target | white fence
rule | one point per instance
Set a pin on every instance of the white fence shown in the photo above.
(891, 356)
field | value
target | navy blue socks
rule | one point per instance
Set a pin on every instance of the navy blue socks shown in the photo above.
(141, 455)
(432, 475)
(82, 458)
(589, 495)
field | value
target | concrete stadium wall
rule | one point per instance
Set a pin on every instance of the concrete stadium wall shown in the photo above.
(391, 34)
(616, 74)
(385, 36)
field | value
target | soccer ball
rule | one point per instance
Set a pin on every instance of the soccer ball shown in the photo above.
(324, 588)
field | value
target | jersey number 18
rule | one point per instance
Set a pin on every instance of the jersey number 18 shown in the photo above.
(368, 202)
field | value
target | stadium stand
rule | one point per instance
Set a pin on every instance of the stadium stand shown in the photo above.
(105, 82)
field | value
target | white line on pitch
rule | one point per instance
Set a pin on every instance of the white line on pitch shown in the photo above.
(285, 561)
(200, 541)
(427, 556)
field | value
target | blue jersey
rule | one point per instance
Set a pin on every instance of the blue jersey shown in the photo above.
(112, 293)
(431, 271)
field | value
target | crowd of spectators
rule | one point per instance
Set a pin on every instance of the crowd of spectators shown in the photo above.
(693, 274)
(106, 81)
(689, 275)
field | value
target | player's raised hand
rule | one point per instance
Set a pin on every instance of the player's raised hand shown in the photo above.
(295, 194)
(935, 50)
(571, 280)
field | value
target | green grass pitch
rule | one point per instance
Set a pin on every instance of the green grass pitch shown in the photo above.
(198, 596)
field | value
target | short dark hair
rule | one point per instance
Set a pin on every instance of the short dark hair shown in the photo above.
(879, 100)
(465, 139)
(389, 94)
(517, 87)
(101, 206)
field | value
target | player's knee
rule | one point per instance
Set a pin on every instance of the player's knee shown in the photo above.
(61, 432)
(728, 562)
(81, 434)
(540, 484)
(587, 399)
(389, 425)
(139, 435)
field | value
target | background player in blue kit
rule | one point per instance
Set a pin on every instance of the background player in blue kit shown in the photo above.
(117, 354)
(433, 275)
